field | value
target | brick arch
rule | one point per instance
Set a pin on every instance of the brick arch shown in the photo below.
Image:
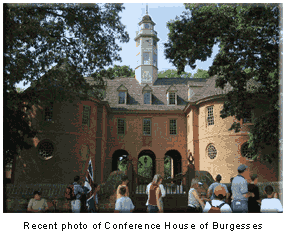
(115, 156)
(177, 160)
(152, 155)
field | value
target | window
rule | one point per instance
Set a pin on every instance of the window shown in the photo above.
(171, 98)
(246, 151)
(211, 150)
(45, 150)
(122, 97)
(247, 117)
(121, 126)
(86, 115)
(147, 98)
(155, 60)
(210, 118)
(173, 127)
(146, 59)
(146, 26)
(147, 126)
(49, 113)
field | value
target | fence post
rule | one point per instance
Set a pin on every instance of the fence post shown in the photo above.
(130, 177)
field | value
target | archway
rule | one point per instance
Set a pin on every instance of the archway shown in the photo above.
(119, 160)
(146, 163)
(172, 163)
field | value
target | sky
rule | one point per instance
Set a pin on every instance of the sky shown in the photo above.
(161, 13)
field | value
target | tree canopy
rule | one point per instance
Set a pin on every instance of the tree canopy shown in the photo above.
(249, 37)
(172, 73)
(39, 36)
(201, 73)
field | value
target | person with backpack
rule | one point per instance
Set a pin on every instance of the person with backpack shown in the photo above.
(210, 191)
(74, 193)
(218, 204)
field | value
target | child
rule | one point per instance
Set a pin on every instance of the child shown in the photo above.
(270, 204)
(123, 204)
(124, 183)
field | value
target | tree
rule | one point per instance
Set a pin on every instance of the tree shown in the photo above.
(172, 73)
(117, 71)
(201, 73)
(80, 39)
(249, 37)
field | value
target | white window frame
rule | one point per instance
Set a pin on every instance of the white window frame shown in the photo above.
(168, 98)
(145, 132)
(150, 97)
(86, 115)
(118, 127)
(210, 116)
(211, 149)
(171, 130)
(125, 101)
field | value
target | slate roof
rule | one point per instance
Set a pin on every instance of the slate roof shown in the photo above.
(135, 100)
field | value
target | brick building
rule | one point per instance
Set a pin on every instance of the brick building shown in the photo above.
(141, 115)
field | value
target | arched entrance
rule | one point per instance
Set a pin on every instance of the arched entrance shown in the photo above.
(119, 160)
(172, 163)
(146, 163)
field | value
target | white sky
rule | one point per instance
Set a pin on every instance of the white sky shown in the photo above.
(160, 13)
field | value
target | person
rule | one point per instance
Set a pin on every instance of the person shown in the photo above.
(123, 204)
(240, 192)
(210, 191)
(155, 191)
(218, 201)
(195, 203)
(78, 191)
(254, 202)
(271, 204)
(124, 183)
(229, 199)
(92, 204)
(37, 204)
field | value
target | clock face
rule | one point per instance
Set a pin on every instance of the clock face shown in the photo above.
(146, 26)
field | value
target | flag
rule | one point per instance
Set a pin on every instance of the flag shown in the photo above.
(88, 185)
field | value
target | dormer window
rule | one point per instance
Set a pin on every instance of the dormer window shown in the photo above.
(122, 95)
(172, 95)
(172, 99)
(147, 93)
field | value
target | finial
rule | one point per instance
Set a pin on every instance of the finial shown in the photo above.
(147, 9)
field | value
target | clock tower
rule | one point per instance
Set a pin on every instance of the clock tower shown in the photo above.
(146, 44)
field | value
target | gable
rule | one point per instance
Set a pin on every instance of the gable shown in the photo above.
(122, 88)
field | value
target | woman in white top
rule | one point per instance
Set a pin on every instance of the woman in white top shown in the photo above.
(156, 180)
(195, 203)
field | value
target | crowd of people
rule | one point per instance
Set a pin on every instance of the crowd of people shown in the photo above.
(239, 197)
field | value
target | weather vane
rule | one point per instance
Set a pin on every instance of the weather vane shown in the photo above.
(147, 9)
